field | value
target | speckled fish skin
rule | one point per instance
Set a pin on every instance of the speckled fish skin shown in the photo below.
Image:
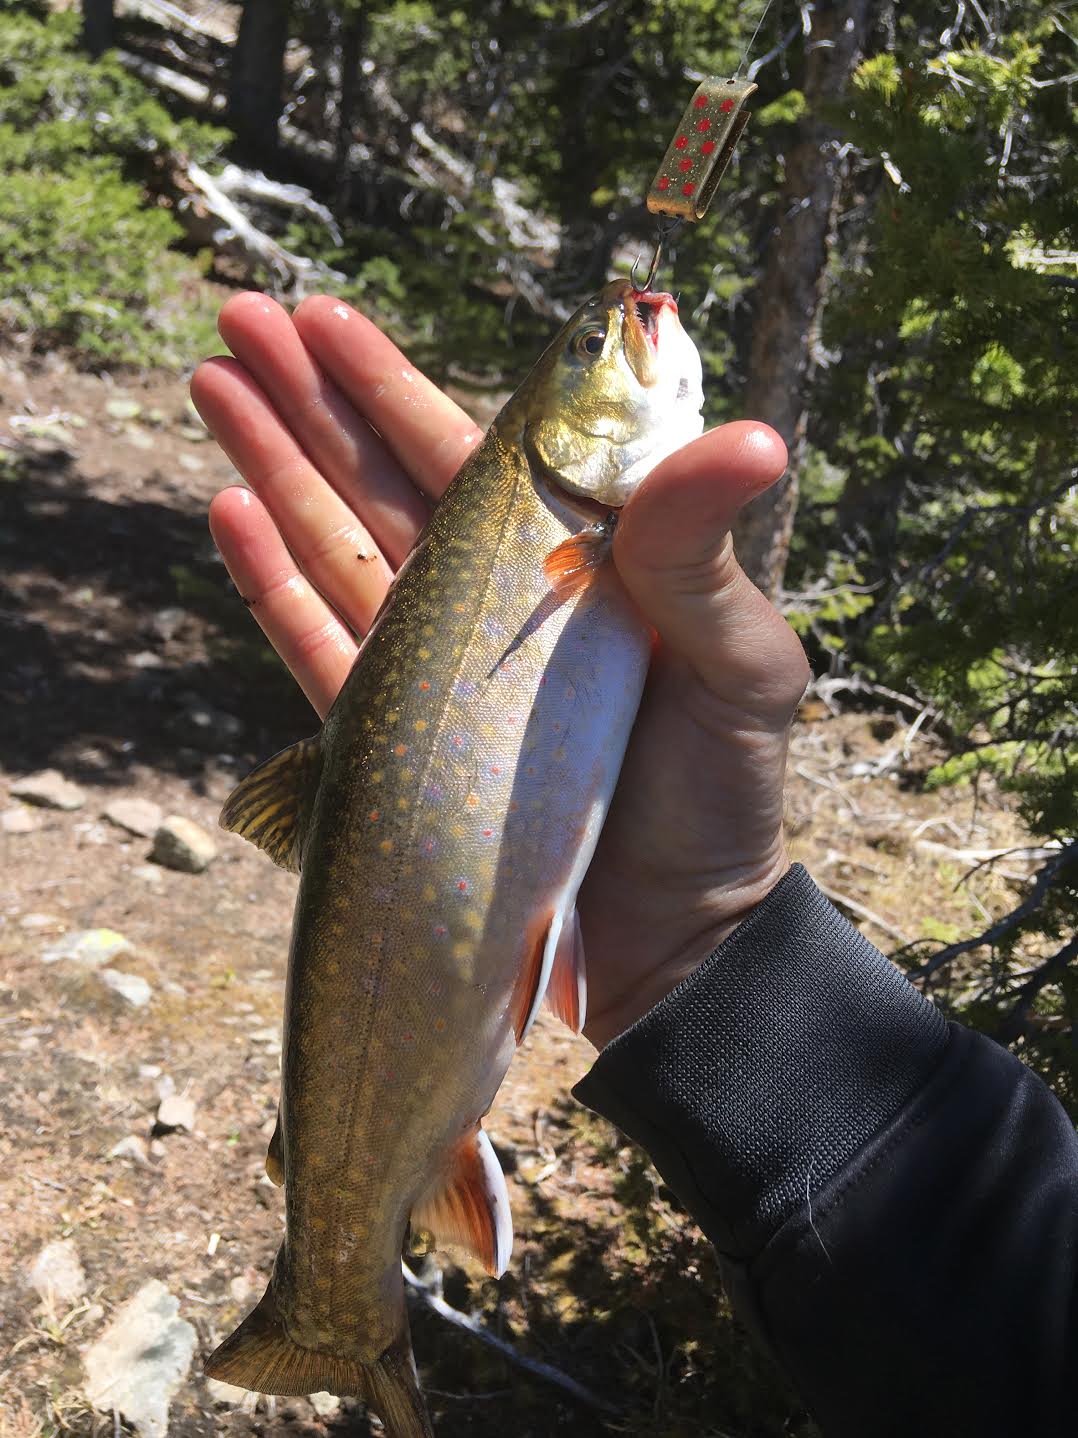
(465, 771)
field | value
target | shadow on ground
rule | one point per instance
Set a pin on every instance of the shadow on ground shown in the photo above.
(125, 640)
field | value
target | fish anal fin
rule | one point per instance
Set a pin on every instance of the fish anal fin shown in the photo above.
(261, 1356)
(571, 565)
(567, 991)
(275, 1154)
(270, 806)
(469, 1205)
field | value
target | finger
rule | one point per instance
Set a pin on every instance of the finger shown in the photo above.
(314, 643)
(429, 434)
(340, 442)
(331, 546)
(674, 554)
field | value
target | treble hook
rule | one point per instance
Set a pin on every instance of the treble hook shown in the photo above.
(663, 231)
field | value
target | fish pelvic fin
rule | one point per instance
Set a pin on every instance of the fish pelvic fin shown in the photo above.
(271, 805)
(567, 991)
(261, 1356)
(468, 1205)
(275, 1154)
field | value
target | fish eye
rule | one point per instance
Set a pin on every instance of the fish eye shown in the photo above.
(589, 341)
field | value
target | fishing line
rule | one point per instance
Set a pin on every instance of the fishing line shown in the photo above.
(748, 48)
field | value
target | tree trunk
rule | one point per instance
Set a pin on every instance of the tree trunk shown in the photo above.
(256, 81)
(790, 290)
(351, 40)
(97, 25)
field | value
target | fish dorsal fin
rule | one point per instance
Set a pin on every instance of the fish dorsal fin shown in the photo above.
(275, 1154)
(270, 806)
(567, 991)
(468, 1205)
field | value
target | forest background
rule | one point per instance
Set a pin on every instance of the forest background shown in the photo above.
(889, 276)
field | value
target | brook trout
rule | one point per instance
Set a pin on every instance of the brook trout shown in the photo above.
(442, 822)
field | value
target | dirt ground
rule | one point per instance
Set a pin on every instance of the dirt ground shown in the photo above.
(131, 666)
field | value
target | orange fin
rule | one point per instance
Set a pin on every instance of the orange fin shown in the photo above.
(469, 1206)
(531, 984)
(275, 1154)
(570, 566)
(567, 991)
(261, 1356)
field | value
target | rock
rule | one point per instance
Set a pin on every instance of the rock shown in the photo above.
(139, 437)
(57, 1273)
(123, 409)
(19, 820)
(140, 1360)
(176, 1111)
(89, 947)
(191, 463)
(325, 1405)
(157, 1148)
(240, 1288)
(41, 921)
(202, 724)
(146, 659)
(225, 1395)
(180, 844)
(131, 1147)
(191, 434)
(150, 873)
(167, 623)
(49, 789)
(135, 990)
(137, 816)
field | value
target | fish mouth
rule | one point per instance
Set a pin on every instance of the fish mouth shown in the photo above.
(645, 307)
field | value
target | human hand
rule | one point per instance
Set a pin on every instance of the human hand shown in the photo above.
(346, 448)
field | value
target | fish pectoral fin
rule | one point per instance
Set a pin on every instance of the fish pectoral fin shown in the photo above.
(567, 991)
(469, 1205)
(569, 567)
(270, 806)
(275, 1154)
(534, 976)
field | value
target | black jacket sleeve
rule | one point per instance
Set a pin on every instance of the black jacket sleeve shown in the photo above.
(894, 1199)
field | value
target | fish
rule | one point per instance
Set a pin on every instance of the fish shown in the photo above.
(441, 824)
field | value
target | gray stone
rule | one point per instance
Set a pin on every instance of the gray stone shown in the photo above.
(122, 409)
(49, 789)
(146, 659)
(131, 1147)
(240, 1288)
(19, 820)
(176, 1111)
(131, 987)
(139, 437)
(89, 947)
(167, 623)
(225, 1395)
(137, 816)
(41, 921)
(149, 873)
(191, 463)
(57, 1273)
(325, 1405)
(140, 1361)
(180, 844)
(191, 434)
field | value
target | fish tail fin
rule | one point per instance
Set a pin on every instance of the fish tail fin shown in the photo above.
(261, 1356)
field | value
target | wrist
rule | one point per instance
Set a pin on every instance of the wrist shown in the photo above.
(607, 1020)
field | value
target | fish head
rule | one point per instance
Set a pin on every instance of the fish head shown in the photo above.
(618, 390)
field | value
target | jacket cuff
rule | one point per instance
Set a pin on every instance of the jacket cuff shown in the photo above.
(756, 1079)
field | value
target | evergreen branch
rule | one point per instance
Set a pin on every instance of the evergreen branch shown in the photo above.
(1013, 1022)
(1007, 925)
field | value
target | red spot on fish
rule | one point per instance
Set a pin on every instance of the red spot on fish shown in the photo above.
(407, 1038)
(429, 846)
(680, 142)
(570, 692)
(440, 931)
(495, 768)
(542, 680)
(726, 106)
(373, 816)
(487, 833)
(688, 189)
(423, 684)
(685, 165)
(401, 749)
(462, 885)
(700, 102)
(458, 742)
(435, 987)
(707, 147)
(703, 125)
(511, 718)
(664, 183)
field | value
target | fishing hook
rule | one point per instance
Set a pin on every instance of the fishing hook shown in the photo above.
(664, 230)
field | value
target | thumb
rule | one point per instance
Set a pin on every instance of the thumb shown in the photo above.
(673, 551)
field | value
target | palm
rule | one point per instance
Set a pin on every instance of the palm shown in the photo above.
(346, 448)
